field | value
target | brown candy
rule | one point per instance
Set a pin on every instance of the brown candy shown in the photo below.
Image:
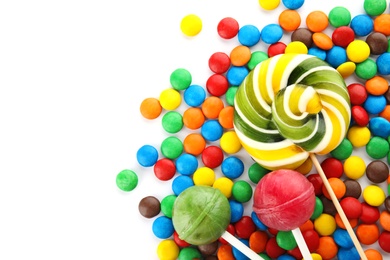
(211, 257)
(377, 42)
(387, 203)
(353, 189)
(329, 207)
(208, 249)
(149, 207)
(377, 171)
(303, 35)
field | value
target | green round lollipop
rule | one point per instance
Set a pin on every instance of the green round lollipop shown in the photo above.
(200, 215)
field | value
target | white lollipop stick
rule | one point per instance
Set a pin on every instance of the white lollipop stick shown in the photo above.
(240, 246)
(301, 244)
(338, 207)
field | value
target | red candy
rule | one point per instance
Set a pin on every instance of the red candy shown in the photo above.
(342, 36)
(179, 241)
(332, 167)
(284, 199)
(272, 248)
(276, 48)
(370, 214)
(316, 180)
(212, 156)
(360, 115)
(312, 239)
(217, 85)
(219, 62)
(228, 28)
(245, 227)
(384, 241)
(164, 169)
(351, 207)
(357, 93)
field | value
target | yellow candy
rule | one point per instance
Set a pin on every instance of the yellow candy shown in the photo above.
(316, 256)
(230, 143)
(296, 47)
(346, 69)
(358, 51)
(305, 167)
(167, 250)
(204, 176)
(325, 224)
(170, 99)
(269, 4)
(354, 167)
(225, 185)
(191, 25)
(374, 195)
(359, 135)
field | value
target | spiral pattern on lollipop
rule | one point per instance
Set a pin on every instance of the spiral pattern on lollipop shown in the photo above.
(289, 106)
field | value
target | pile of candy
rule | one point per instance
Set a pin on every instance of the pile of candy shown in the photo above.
(210, 155)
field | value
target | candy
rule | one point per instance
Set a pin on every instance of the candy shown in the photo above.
(303, 35)
(150, 108)
(377, 171)
(373, 195)
(212, 156)
(232, 167)
(271, 33)
(191, 25)
(293, 4)
(269, 4)
(127, 180)
(204, 176)
(358, 51)
(147, 155)
(374, 7)
(164, 169)
(383, 63)
(217, 85)
(339, 16)
(289, 20)
(167, 249)
(362, 24)
(227, 28)
(343, 36)
(194, 95)
(242, 191)
(377, 147)
(248, 35)
(353, 189)
(186, 164)
(162, 227)
(240, 55)
(317, 21)
(180, 79)
(377, 42)
(382, 24)
(172, 122)
(149, 207)
(263, 125)
(211, 130)
(167, 205)
(193, 118)
(354, 167)
(170, 99)
(171, 147)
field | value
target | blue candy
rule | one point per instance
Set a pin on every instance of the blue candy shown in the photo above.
(232, 167)
(248, 35)
(186, 164)
(293, 4)
(348, 254)
(336, 56)
(211, 130)
(317, 52)
(271, 33)
(236, 210)
(285, 257)
(362, 25)
(258, 222)
(147, 155)
(383, 63)
(162, 227)
(194, 95)
(379, 126)
(374, 104)
(180, 183)
(238, 255)
(236, 74)
(342, 238)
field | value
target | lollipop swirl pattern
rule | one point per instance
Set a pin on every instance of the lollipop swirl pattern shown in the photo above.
(289, 106)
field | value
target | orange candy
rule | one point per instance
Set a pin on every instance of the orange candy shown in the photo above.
(225, 117)
(385, 113)
(150, 108)
(317, 21)
(194, 144)
(258, 241)
(327, 248)
(382, 24)
(377, 85)
(373, 254)
(193, 118)
(384, 220)
(367, 234)
(289, 20)
(353, 222)
(322, 41)
(225, 252)
(308, 225)
(212, 106)
(338, 187)
(240, 55)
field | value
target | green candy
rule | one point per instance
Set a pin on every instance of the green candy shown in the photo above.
(339, 16)
(256, 58)
(242, 191)
(343, 150)
(180, 79)
(286, 240)
(377, 147)
(374, 7)
(171, 147)
(318, 209)
(189, 253)
(172, 122)
(167, 205)
(200, 215)
(256, 172)
(127, 180)
(366, 69)
(230, 94)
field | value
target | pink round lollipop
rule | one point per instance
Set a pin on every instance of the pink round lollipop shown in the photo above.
(284, 199)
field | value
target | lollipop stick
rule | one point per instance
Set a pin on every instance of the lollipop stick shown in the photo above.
(240, 246)
(301, 243)
(338, 207)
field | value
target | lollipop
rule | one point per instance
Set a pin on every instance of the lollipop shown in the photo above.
(201, 215)
(289, 108)
(284, 200)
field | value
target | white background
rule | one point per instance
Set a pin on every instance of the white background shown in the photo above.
(72, 77)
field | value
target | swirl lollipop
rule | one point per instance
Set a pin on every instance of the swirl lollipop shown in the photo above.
(289, 108)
